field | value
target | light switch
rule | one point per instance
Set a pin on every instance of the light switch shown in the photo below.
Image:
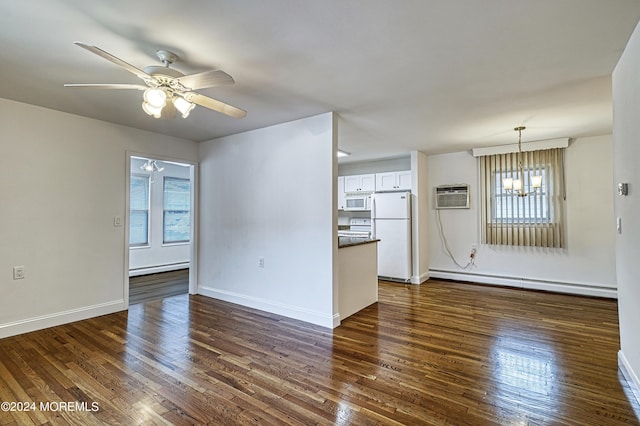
(623, 188)
(117, 221)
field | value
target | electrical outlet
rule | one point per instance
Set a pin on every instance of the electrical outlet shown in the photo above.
(18, 272)
(261, 262)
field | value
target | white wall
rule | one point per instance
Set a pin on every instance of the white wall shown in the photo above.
(157, 256)
(62, 182)
(270, 193)
(420, 214)
(586, 266)
(626, 110)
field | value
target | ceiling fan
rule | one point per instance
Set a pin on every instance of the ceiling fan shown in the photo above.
(166, 89)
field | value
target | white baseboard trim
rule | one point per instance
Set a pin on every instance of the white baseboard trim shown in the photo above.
(336, 320)
(419, 279)
(527, 283)
(157, 269)
(289, 311)
(629, 375)
(59, 318)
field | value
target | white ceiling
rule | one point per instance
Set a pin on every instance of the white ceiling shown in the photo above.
(431, 75)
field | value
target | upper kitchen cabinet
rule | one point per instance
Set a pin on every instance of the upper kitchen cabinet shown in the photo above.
(394, 181)
(360, 183)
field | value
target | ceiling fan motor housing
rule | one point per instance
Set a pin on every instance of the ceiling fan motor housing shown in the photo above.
(156, 70)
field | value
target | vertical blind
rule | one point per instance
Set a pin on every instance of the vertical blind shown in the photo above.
(533, 220)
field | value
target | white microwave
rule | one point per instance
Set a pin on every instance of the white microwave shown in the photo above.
(357, 202)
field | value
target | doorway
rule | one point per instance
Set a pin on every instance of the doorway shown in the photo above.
(160, 227)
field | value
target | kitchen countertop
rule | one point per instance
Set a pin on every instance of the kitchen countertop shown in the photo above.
(355, 241)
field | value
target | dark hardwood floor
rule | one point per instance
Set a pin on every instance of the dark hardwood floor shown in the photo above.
(439, 353)
(143, 288)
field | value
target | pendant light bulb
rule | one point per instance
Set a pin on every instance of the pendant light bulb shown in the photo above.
(152, 110)
(507, 183)
(155, 97)
(183, 105)
(536, 181)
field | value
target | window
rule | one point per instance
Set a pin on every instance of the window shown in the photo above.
(535, 219)
(177, 207)
(139, 210)
(530, 209)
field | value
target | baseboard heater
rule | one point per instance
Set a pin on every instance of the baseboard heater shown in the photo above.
(528, 283)
(157, 269)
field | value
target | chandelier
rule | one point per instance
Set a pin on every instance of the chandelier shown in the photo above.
(516, 186)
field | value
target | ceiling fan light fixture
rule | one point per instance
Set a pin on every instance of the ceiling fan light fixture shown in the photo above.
(183, 105)
(152, 110)
(155, 97)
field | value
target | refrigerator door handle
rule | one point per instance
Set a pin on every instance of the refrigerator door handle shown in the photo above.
(373, 215)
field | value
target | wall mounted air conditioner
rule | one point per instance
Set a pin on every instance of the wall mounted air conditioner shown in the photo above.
(452, 196)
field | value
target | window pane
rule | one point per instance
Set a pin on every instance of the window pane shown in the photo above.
(139, 210)
(177, 226)
(139, 194)
(513, 209)
(177, 194)
(177, 206)
(138, 227)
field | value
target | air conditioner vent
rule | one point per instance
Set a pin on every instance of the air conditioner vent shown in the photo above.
(452, 196)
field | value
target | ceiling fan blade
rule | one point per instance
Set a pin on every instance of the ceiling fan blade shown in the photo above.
(106, 86)
(109, 57)
(214, 104)
(206, 79)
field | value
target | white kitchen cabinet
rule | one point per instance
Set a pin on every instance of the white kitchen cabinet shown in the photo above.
(341, 194)
(393, 181)
(404, 179)
(360, 183)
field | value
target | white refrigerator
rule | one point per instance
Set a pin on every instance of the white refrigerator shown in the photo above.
(391, 218)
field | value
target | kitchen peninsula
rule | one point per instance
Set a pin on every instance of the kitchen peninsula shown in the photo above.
(357, 274)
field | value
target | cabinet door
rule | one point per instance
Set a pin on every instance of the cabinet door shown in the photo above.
(341, 196)
(368, 182)
(386, 181)
(352, 183)
(403, 180)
